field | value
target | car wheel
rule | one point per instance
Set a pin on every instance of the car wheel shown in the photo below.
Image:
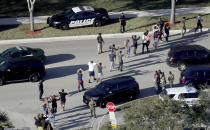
(97, 23)
(1, 81)
(103, 104)
(34, 78)
(64, 26)
(181, 66)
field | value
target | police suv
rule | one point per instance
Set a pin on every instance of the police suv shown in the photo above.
(78, 17)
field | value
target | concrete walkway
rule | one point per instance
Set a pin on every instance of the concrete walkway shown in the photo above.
(113, 15)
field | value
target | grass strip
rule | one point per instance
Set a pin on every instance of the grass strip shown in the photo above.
(139, 24)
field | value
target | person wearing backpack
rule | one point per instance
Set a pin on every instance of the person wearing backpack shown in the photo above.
(155, 36)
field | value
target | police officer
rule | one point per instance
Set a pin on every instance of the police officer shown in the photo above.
(92, 105)
(100, 42)
(122, 23)
(41, 90)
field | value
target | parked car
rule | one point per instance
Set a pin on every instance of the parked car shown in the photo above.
(78, 17)
(113, 90)
(198, 76)
(23, 52)
(186, 94)
(185, 55)
(28, 68)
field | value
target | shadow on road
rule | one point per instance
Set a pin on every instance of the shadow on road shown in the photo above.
(58, 72)
(58, 58)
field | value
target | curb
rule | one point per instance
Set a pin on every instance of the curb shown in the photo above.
(82, 37)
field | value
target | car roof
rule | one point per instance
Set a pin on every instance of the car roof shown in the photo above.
(185, 89)
(21, 59)
(117, 80)
(82, 9)
(198, 68)
(187, 47)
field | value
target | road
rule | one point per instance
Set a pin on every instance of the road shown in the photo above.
(21, 99)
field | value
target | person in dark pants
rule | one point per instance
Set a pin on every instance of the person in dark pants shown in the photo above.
(199, 25)
(135, 44)
(100, 42)
(120, 56)
(54, 104)
(145, 41)
(80, 81)
(122, 23)
(183, 26)
(160, 24)
(63, 98)
(167, 28)
(41, 90)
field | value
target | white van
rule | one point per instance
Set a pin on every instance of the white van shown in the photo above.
(186, 94)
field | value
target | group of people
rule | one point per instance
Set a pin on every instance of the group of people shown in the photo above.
(160, 80)
(46, 119)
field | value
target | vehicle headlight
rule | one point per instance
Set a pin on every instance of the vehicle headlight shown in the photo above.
(57, 22)
(95, 98)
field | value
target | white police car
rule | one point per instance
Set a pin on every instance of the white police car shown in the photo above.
(78, 17)
(189, 95)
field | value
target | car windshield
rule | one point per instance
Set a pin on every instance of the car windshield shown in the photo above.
(102, 88)
(69, 12)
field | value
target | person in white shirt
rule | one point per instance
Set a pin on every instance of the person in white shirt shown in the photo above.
(91, 66)
(145, 41)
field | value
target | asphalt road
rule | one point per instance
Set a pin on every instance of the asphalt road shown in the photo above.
(21, 100)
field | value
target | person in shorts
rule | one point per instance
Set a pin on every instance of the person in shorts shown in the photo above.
(100, 72)
(91, 66)
(63, 94)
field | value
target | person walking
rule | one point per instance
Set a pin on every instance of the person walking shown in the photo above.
(111, 59)
(157, 81)
(171, 79)
(167, 28)
(183, 31)
(162, 80)
(120, 59)
(41, 90)
(100, 72)
(199, 24)
(155, 36)
(135, 43)
(80, 80)
(145, 41)
(92, 106)
(100, 42)
(160, 24)
(63, 94)
(91, 66)
(127, 48)
(54, 104)
(122, 22)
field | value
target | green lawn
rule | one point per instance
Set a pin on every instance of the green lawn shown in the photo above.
(133, 25)
(17, 8)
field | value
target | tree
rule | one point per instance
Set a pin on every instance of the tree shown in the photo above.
(173, 11)
(31, 11)
(4, 121)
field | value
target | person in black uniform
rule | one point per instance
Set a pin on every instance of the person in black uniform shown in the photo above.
(122, 23)
(41, 90)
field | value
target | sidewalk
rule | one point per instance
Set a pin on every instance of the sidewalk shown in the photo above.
(113, 15)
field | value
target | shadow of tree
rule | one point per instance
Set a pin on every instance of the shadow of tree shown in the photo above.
(63, 71)
(58, 58)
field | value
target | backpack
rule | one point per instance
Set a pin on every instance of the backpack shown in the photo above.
(156, 34)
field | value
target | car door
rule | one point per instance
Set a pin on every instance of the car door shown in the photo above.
(76, 20)
(88, 18)
(111, 94)
(124, 90)
(202, 56)
(19, 70)
(191, 58)
(7, 69)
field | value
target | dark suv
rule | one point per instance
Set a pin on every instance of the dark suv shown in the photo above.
(18, 69)
(198, 76)
(113, 90)
(184, 55)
